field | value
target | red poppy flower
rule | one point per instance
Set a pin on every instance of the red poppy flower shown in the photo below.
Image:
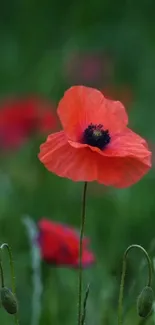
(96, 143)
(21, 117)
(59, 245)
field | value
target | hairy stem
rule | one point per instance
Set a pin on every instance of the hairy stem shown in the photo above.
(85, 305)
(2, 275)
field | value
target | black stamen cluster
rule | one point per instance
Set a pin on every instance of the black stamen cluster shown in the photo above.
(96, 136)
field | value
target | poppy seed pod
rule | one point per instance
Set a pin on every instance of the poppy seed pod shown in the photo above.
(8, 300)
(145, 301)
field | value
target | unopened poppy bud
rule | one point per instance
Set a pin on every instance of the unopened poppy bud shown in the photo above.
(145, 301)
(8, 300)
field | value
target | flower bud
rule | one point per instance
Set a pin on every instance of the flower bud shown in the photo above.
(145, 301)
(8, 300)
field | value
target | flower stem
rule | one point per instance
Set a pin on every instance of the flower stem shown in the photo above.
(2, 275)
(120, 300)
(80, 253)
(5, 245)
(85, 305)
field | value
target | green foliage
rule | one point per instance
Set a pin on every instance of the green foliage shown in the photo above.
(36, 38)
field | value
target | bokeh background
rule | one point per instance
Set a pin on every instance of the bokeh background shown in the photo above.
(45, 47)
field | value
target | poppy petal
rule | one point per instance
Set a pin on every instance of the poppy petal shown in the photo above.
(130, 144)
(59, 245)
(49, 244)
(125, 144)
(82, 106)
(123, 172)
(87, 258)
(86, 165)
(62, 159)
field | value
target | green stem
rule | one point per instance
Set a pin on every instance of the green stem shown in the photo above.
(5, 245)
(11, 265)
(85, 305)
(80, 252)
(120, 300)
(2, 275)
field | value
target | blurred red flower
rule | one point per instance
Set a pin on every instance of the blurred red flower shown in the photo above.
(88, 67)
(19, 118)
(59, 245)
(96, 143)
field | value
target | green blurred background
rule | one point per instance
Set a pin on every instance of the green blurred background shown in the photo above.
(45, 47)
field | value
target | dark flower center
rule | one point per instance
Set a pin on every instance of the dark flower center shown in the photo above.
(96, 136)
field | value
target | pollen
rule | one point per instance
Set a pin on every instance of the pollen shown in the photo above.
(95, 136)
